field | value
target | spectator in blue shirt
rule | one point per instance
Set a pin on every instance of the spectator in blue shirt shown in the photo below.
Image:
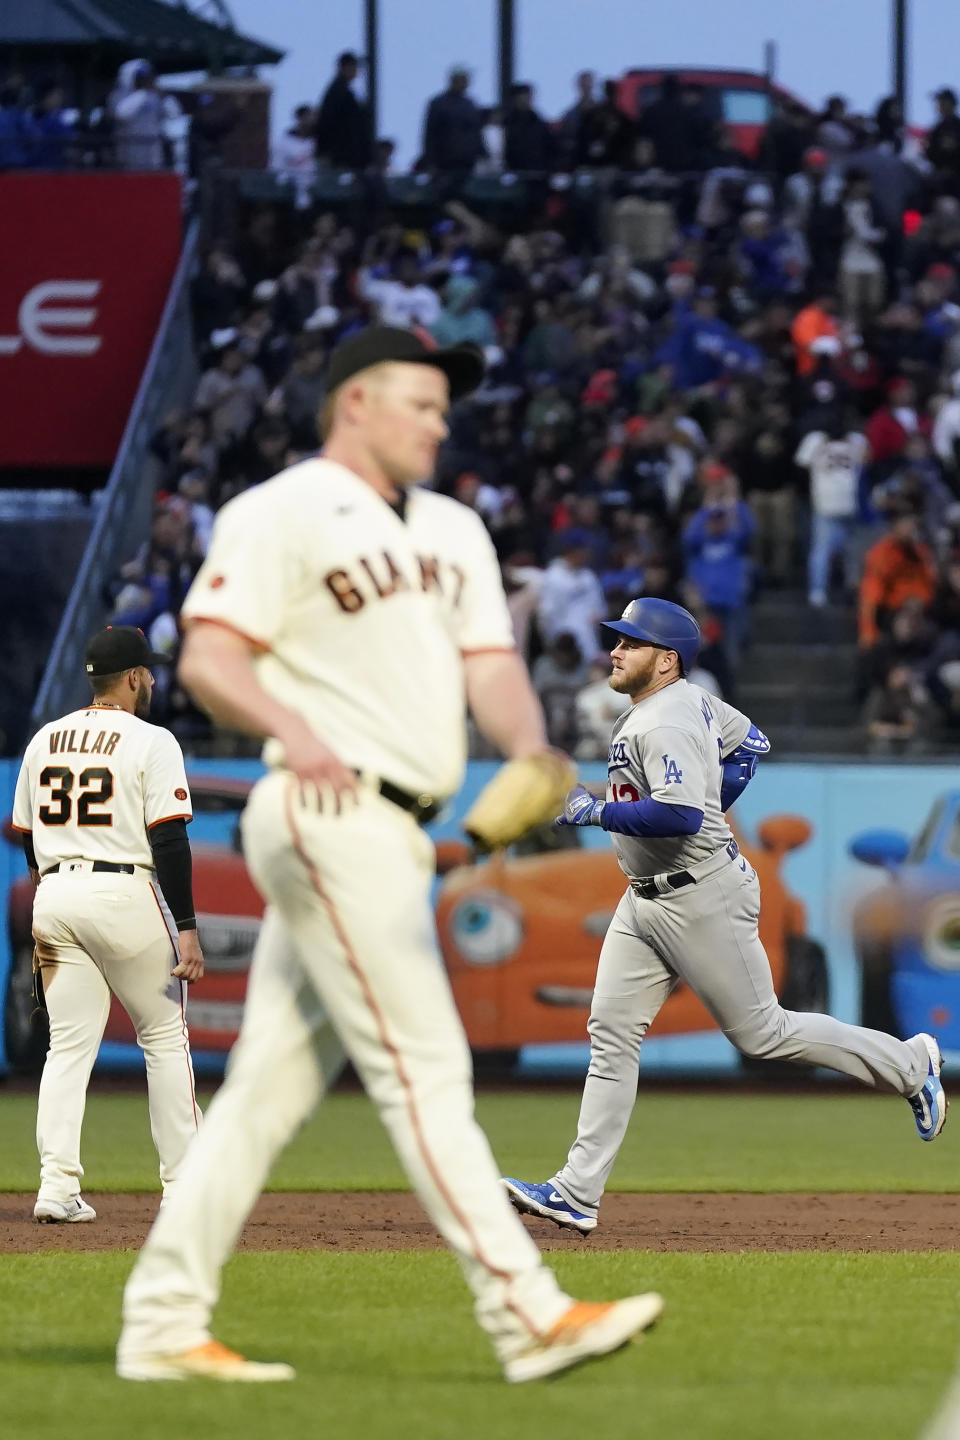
(717, 544)
(703, 348)
(773, 259)
(50, 131)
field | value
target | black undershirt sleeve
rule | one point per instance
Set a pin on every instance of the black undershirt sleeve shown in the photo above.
(171, 855)
(28, 850)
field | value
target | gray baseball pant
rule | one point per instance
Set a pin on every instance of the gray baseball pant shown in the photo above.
(705, 935)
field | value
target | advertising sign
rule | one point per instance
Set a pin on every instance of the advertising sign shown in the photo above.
(859, 869)
(87, 262)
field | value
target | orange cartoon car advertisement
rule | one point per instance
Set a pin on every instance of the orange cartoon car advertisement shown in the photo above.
(859, 868)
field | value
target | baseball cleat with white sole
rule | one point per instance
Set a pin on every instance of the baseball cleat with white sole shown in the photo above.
(584, 1332)
(74, 1211)
(211, 1361)
(929, 1105)
(545, 1201)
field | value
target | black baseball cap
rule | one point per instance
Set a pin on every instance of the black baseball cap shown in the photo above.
(120, 647)
(463, 365)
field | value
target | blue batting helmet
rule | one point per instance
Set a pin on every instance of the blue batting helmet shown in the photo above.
(660, 623)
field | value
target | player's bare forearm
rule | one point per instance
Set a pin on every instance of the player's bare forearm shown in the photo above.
(504, 704)
(189, 965)
(216, 667)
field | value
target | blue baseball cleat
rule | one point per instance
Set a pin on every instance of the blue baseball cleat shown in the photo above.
(929, 1105)
(544, 1200)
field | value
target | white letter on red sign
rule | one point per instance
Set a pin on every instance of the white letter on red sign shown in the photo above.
(37, 318)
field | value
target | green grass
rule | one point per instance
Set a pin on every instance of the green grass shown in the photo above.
(797, 1347)
(683, 1141)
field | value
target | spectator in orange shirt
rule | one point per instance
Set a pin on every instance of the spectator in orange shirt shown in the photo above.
(812, 323)
(898, 568)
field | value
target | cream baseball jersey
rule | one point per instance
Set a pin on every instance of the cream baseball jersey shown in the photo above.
(92, 784)
(360, 617)
(671, 746)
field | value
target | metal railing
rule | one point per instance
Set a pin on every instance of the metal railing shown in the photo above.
(336, 188)
(124, 510)
(85, 149)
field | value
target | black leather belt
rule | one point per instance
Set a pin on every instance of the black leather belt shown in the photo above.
(99, 867)
(647, 887)
(423, 808)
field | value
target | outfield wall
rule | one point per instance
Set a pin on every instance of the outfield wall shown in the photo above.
(514, 955)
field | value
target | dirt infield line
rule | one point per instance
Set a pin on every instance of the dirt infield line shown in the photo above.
(381, 1221)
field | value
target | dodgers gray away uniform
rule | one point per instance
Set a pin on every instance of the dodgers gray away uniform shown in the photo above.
(703, 931)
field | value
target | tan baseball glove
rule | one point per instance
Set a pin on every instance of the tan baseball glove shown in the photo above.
(523, 794)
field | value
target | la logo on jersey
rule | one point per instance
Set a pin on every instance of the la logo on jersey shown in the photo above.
(618, 756)
(671, 775)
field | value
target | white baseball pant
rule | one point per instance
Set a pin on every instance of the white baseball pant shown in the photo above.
(347, 960)
(97, 933)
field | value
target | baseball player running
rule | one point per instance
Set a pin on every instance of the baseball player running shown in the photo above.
(678, 760)
(346, 614)
(102, 805)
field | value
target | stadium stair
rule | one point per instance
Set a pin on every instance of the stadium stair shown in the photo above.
(796, 678)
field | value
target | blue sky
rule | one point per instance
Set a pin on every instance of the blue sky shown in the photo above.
(823, 46)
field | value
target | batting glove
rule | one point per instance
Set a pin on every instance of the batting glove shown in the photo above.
(580, 808)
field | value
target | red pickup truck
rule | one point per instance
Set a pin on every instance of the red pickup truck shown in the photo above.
(744, 100)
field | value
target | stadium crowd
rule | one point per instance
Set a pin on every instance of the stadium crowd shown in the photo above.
(746, 380)
(138, 126)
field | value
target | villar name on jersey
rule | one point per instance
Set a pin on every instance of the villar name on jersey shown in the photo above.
(64, 742)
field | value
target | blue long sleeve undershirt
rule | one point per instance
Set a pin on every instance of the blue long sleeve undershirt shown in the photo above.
(735, 780)
(650, 817)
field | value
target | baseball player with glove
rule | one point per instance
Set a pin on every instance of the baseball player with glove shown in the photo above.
(347, 615)
(678, 760)
(102, 805)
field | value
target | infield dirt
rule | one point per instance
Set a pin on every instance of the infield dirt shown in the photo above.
(394, 1221)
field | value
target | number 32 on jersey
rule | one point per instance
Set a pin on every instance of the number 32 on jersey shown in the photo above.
(96, 790)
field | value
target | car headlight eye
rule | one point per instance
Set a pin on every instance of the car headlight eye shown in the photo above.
(486, 928)
(942, 933)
